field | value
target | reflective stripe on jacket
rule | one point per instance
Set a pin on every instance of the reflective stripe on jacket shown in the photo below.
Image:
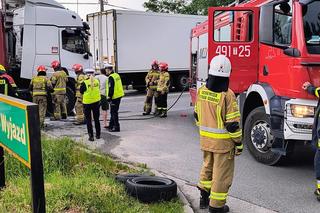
(152, 78)
(80, 79)
(40, 85)
(59, 79)
(214, 110)
(118, 88)
(163, 82)
(92, 94)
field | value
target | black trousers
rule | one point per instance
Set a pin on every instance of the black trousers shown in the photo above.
(162, 101)
(95, 110)
(114, 111)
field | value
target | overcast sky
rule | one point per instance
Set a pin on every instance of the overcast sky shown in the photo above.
(83, 10)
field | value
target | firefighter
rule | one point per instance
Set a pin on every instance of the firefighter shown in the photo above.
(59, 81)
(115, 93)
(315, 135)
(218, 118)
(151, 84)
(163, 89)
(7, 84)
(78, 69)
(40, 86)
(90, 89)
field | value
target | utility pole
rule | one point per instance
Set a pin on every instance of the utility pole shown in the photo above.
(102, 2)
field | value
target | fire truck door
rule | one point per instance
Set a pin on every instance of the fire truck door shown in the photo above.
(233, 31)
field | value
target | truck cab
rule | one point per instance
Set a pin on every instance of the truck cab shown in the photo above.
(274, 47)
(43, 31)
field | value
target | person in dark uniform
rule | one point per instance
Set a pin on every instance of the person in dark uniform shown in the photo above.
(90, 88)
(115, 93)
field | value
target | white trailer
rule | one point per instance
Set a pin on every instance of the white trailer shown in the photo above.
(131, 40)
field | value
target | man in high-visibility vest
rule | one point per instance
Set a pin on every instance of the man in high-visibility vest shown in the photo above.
(151, 84)
(7, 84)
(59, 81)
(78, 69)
(115, 94)
(90, 89)
(40, 86)
(218, 118)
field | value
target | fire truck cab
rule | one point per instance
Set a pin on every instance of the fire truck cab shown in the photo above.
(274, 47)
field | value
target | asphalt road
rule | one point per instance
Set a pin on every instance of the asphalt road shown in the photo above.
(171, 145)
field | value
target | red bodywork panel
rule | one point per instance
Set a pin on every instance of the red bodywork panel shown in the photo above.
(286, 74)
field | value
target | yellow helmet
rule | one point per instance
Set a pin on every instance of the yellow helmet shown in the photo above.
(2, 68)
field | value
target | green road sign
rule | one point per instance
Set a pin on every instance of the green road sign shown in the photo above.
(14, 129)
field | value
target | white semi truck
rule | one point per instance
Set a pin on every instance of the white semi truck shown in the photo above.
(36, 32)
(131, 40)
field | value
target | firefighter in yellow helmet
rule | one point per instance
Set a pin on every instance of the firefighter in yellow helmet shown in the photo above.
(7, 84)
(218, 118)
(78, 69)
(39, 87)
(59, 81)
(151, 84)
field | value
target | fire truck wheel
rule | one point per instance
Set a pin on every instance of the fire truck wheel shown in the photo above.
(151, 189)
(258, 137)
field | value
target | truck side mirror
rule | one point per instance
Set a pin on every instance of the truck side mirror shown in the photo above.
(293, 52)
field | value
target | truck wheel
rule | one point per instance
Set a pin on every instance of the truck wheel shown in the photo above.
(70, 100)
(181, 82)
(258, 137)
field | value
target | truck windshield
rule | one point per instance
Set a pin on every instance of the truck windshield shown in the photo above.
(73, 41)
(311, 21)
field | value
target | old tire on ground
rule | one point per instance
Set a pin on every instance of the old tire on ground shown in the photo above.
(123, 178)
(151, 189)
(258, 137)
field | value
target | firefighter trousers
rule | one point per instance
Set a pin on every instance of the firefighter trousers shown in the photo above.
(216, 176)
(60, 107)
(162, 102)
(148, 102)
(41, 100)
(79, 110)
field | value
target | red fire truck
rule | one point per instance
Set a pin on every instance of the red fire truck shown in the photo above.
(274, 47)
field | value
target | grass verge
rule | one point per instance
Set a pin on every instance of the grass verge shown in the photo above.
(76, 180)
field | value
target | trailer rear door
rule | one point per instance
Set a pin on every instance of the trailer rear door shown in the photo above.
(233, 31)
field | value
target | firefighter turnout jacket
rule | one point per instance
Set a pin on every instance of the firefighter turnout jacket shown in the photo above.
(80, 79)
(59, 79)
(214, 110)
(7, 85)
(163, 82)
(152, 79)
(40, 85)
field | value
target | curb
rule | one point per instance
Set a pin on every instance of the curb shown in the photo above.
(186, 204)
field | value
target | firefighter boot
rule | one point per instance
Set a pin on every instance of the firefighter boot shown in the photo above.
(204, 199)
(223, 209)
(317, 193)
(163, 113)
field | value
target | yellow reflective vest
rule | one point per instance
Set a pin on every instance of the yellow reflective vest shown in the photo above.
(92, 94)
(163, 82)
(118, 88)
(214, 110)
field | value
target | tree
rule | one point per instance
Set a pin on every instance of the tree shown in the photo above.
(196, 7)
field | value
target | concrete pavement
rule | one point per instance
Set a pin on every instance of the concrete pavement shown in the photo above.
(171, 146)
